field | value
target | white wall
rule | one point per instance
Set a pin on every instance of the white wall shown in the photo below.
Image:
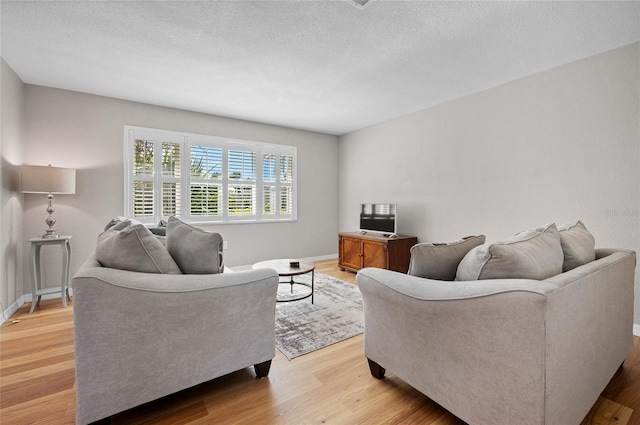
(70, 129)
(11, 148)
(557, 146)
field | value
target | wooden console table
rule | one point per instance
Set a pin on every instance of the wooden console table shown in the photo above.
(357, 251)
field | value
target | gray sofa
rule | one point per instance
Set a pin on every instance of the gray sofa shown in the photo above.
(509, 350)
(140, 336)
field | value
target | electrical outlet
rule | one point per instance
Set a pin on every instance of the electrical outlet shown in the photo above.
(225, 245)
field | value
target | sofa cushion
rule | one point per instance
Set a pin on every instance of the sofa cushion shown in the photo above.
(160, 229)
(196, 251)
(119, 223)
(440, 261)
(578, 245)
(134, 248)
(534, 254)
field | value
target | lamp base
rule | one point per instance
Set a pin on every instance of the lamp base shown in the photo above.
(50, 233)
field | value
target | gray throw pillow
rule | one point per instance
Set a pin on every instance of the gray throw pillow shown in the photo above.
(440, 261)
(158, 231)
(578, 245)
(136, 249)
(196, 251)
(534, 254)
(119, 223)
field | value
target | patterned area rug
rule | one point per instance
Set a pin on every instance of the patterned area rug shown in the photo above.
(335, 315)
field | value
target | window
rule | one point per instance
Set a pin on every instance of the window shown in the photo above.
(205, 188)
(207, 179)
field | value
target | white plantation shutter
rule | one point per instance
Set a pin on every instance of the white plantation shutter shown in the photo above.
(286, 184)
(242, 200)
(269, 167)
(205, 194)
(205, 200)
(242, 165)
(207, 179)
(286, 200)
(142, 180)
(170, 199)
(278, 188)
(242, 183)
(171, 172)
(143, 152)
(142, 199)
(286, 168)
(270, 201)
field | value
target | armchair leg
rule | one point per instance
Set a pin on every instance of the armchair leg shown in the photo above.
(262, 369)
(377, 371)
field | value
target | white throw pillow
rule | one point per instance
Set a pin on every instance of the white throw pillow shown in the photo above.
(534, 254)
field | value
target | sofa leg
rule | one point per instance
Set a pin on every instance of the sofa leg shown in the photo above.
(262, 369)
(377, 371)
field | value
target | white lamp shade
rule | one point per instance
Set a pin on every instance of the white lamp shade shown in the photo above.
(38, 179)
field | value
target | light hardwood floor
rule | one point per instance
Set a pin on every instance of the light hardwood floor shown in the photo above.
(329, 386)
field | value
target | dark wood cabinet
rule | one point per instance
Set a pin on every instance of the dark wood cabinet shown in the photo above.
(357, 251)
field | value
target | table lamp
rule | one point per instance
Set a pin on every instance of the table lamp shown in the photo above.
(49, 180)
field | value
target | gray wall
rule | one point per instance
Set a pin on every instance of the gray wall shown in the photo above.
(70, 129)
(557, 146)
(11, 148)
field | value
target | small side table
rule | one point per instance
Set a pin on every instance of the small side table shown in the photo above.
(36, 276)
(285, 269)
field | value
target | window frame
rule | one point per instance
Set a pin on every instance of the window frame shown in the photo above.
(186, 141)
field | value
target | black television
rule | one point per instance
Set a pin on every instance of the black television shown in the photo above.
(378, 218)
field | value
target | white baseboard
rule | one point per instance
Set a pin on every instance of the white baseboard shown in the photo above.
(6, 314)
(636, 329)
(322, 258)
(26, 298)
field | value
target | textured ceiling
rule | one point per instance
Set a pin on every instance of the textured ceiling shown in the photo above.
(325, 66)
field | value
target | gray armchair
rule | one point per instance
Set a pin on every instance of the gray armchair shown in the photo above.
(141, 336)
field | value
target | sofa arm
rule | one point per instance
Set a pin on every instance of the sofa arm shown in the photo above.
(605, 252)
(473, 349)
(151, 282)
(430, 289)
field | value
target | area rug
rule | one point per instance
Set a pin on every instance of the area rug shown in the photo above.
(335, 315)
